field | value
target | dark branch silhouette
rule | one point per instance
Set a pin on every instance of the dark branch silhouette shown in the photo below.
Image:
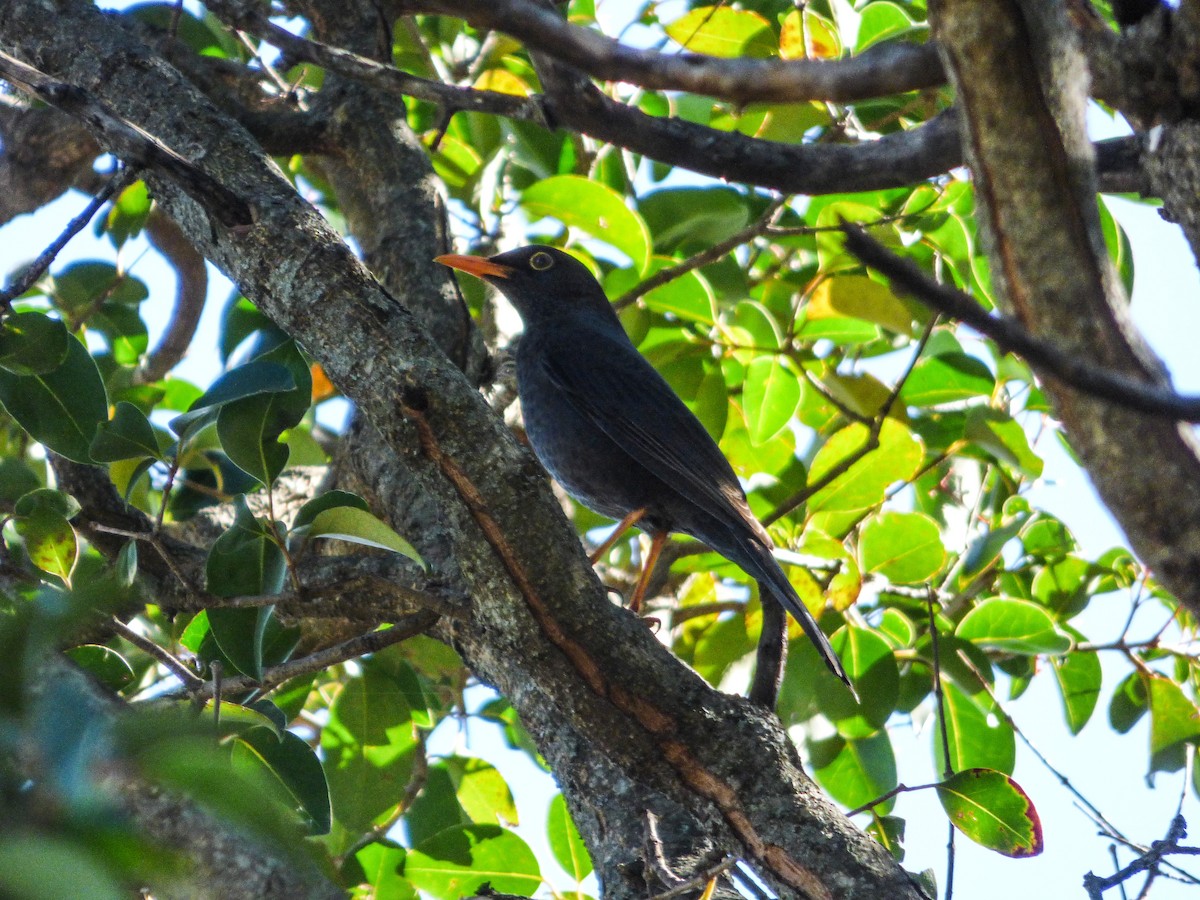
(1011, 337)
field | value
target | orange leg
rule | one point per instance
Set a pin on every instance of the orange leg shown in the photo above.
(624, 525)
(657, 541)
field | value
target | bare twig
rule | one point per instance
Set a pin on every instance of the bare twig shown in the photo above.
(1011, 337)
(869, 444)
(701, 259)
(1148, 862)
(191, 681)
(371, 642)
(370, 72)
(38, 267)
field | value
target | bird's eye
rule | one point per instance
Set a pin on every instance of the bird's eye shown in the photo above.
(541, 261)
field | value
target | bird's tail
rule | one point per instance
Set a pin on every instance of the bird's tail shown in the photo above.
(759, 562)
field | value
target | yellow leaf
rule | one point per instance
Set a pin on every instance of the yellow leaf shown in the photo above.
(806, 35)
(502, 81)
(858, 297)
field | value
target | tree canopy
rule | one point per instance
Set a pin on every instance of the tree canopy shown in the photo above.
(865, 242)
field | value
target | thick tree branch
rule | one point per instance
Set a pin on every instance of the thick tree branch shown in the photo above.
(901, 158)
(671, 742)
(131, 143)
(885, 69)
(1018, 71)
(191, 289)
(44, 153)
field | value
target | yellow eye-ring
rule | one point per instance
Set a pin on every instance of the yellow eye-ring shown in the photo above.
(541, 261)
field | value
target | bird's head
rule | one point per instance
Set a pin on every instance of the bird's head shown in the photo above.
(543, 283)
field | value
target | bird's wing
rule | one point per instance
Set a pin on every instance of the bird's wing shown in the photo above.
(612, 384)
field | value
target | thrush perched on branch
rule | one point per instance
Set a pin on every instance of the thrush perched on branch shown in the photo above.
(617, 438)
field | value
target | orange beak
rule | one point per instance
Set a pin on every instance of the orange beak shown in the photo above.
(479, 266)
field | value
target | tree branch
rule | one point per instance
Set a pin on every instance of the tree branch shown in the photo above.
(133, 144)
(386, 78)
(1046, 357)
(889, 68)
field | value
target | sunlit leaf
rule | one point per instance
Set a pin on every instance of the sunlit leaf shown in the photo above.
(1013, 626)
(723, 31)
(593, 208)
(905, 548)
(992, 809)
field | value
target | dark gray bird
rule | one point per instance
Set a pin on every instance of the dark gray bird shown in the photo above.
(618, 439)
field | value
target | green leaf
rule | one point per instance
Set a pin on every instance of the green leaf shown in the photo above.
(456, 862)
(1079, 678)
(858, 297)
(1013, 626)
(693, 216)
(593, 208)
(125, 567)
(1002, 436)
(47, 500)
(1173, 717)
(1117, 243)
(1130, 701)
(482, 791)
(947, 378)
(38, 867)
(978, 737)
(565, 843)
(249, 439)
(689, 296)
(245, 559)
(992, 809)
(1062, 586)
(855, 772)
(368, 749)
(32, 343)
(123, 328)
(436, 807)
(349, 523)
(105, 665)
(239, 632)
(723, 31)
(770, 396)
(871, 666)
(897, 458)
(881, 20)
(298, 770)
(50, 542)
(327, 500)
(128, 435)
(60, 408)
(905, 548)
(128, 213)
(81, 283)
(257, 377)
(381, 863)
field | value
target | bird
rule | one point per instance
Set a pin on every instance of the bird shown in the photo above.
(607, 426)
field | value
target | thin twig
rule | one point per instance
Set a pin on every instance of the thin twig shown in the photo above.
(191, 681)
(701, 259)
(1010, 336)
(870, 444)
(38, 267)
(894, 792)
(1148, 862)
(371, 642)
